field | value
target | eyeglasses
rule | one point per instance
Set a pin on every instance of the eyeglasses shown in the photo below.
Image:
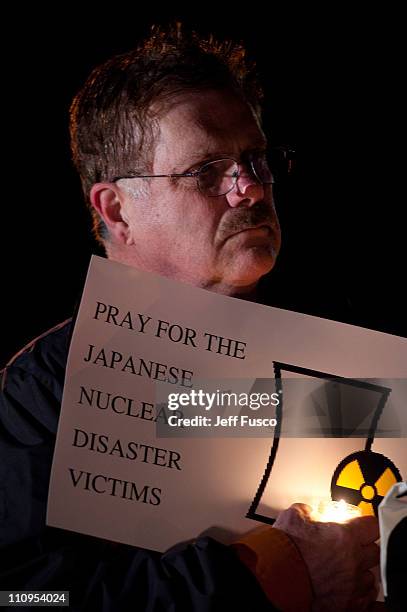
(219, 177)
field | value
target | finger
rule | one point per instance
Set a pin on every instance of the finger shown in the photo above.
(365, 585)
(376, 606)
(370, 556)
(365, 593)
(365, 529)
(363, 602)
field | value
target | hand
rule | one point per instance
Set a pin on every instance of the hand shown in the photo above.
(338, 557)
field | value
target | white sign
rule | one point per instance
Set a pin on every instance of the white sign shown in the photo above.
(114, 478)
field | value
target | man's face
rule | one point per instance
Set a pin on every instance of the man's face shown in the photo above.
(224, 243)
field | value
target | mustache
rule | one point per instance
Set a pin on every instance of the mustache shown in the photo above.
(240, 219)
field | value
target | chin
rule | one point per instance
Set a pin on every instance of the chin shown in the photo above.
(251, 265)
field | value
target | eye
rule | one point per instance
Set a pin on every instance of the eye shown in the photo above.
(218, 177)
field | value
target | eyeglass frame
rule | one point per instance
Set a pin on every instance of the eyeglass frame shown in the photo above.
(196, 173)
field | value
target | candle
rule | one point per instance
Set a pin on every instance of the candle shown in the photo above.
(327, 511)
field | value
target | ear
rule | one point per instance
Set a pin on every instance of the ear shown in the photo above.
(107, 201)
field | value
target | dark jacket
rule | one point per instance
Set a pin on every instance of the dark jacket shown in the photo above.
(100, 575)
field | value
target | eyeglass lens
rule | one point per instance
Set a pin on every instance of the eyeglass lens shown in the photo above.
(219, 177)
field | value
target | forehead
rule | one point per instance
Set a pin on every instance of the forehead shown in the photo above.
(206, 123)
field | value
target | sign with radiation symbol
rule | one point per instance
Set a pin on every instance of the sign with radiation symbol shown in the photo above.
(363, 479)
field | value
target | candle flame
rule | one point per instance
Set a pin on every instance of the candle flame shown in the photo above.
(328, 511)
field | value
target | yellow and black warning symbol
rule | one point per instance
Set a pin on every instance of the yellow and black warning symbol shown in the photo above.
(363, 479)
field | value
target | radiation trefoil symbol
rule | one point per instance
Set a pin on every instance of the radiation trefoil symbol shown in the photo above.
(363, 479)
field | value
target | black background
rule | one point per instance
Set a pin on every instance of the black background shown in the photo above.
(332, 87)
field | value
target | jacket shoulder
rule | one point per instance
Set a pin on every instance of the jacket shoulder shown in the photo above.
(46, 353)
(32, 384)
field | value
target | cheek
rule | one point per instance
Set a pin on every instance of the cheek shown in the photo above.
(196, 218)
(178, 218)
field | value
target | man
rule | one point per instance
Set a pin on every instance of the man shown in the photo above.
(168, 143)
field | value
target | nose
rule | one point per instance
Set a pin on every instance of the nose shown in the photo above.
(247, 191)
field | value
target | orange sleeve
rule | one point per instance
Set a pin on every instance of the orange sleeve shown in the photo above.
(278, 566)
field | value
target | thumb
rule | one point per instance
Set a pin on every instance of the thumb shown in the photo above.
(294, 518)
(303, 509)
